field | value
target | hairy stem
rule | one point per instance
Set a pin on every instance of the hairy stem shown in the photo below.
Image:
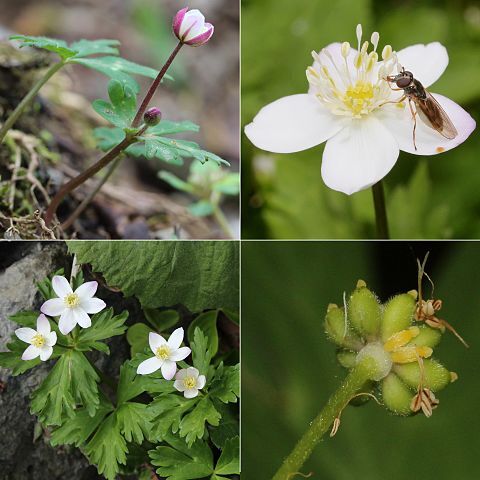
(28, 98)
(380, 210)
(153, 87)
(303, 449)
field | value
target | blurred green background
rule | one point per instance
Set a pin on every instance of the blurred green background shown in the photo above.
(427, 197)
(289, 368)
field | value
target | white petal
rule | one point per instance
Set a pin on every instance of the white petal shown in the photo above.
(168, 369)
(428, 140)
(359, 156)
(61, 286)
(45, 353)
(180, 354)
(87, 290)
(149, 366)
(25, 334)
(426, 62)
(155, 341)
(53, 307)
(181, 374)
(43, 325)
(31, 352)
(190, 393)
(194, 22)
(292, 124)
(192, 372)
(51, 339)
(67, 321)
(201, 381)
(92, 305)
(81, 317)
(176, 338)
(179, 385)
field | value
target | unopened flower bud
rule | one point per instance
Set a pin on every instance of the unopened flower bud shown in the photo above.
(152, 116)
(190, 27)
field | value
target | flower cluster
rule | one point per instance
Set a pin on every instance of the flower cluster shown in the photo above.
(73, 307)
(166, 355)
(351, 105)
(400, 343)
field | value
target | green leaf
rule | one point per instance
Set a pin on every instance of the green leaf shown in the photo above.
(72, 381)
(229, 185)
(207, 322)
(201, 355)
(84, 48)
(199, 275)
(229, 426)
(226, 383)
(168, 127)
(78, 430)
(133, 421)
(121, 110)
(229, 461)
(193, 424)
(104, 325)
(201, 208)
(45, 285)
(137, 338)
(14, 361)
(175, 182)
(179, 462)
(161, 319)
(156, 149)
(51, 44)
(107, 449)
(107, 137)
(109, 113)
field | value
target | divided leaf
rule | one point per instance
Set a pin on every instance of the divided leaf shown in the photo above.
(51, 44)
(193, 425)
(229, 461)
(85, 48)
(201, 353)
(207, 323)
(226, 383)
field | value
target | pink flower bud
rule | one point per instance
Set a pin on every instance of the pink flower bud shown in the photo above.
(152, 116)
(190, 27)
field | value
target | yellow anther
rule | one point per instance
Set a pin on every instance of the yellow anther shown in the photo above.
(358, 61)
(345, 49)
(38, 340)
(410, 354)
(189, 382)
(372, 60)
(358, 97)
(71, 300)
(387, 52)
(162, 352)
(312, 72)
(400, 339)
(364, 47)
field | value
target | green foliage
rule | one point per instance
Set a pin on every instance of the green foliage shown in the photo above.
(137, 337)
(161, 319)
(201, 351)
(207, 323)
(226, 383)
(197, 275)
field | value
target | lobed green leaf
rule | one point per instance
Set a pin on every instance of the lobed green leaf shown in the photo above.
(193, 424)
(229, 461)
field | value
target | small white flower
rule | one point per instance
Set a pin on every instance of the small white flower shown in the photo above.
(167, 353)
(351, 106)
(189, 382)
(41, 341)
(72, 307)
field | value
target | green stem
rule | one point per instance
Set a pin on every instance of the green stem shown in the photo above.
(222, 221)
(28, 98)
(336, 403)
(380, 210)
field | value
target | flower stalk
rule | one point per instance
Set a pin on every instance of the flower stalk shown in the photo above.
(14, 116)
(380, 211)
(352, 385)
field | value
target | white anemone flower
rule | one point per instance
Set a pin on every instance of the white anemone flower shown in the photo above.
(167, 353)
(41, 340)
(72, 306)
(189, 381)
(346, 106)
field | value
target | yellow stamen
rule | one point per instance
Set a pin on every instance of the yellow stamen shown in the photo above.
(400, 339)
(357, 97)
(71, 300)
(38, 340)
(163, 352)
(410, 354)
(189, 382)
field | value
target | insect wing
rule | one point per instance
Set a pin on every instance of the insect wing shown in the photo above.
(434, 116)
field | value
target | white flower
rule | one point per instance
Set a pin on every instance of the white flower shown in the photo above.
(167, 353)
(345, 106)
(190, 27)
(72, 307)
(41, 341)
(189, 382)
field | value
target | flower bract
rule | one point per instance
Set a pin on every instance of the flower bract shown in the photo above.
(167, 353)
(41, 340)
(72, 306)
(351, 106)
(189, 381)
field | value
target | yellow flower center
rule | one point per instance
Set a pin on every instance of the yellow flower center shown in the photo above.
(358, 97)
(400, 353)
(38, 340)
(71, 300)
(162, 352)
(189, 382)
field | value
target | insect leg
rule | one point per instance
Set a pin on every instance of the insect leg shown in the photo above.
(394, 101)
(391, 88)
(414, 116)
